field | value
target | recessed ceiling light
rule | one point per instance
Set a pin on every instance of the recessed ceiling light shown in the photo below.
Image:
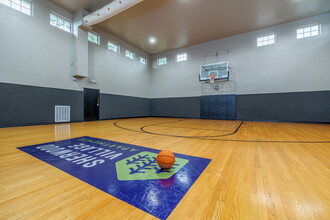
(152, 40)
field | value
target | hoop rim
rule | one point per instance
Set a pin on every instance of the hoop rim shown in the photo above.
(212, 76)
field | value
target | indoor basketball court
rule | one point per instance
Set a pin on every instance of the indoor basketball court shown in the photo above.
(172, 109)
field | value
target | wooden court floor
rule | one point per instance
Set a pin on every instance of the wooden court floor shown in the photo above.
(259, 170)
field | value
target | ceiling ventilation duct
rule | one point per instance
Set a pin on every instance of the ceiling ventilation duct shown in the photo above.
(109, 10)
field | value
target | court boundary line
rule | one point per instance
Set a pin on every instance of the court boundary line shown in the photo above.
(209, 139)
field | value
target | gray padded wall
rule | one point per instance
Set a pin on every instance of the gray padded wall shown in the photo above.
(29, 105)
(186, 107)
(292, 107)
(218, 107)
(117, 106)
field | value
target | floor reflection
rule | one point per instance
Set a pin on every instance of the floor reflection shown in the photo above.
(62, 131)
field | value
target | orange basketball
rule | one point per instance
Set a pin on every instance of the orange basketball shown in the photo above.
(165, 159)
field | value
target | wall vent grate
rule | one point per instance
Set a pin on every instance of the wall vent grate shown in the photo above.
(62, 113)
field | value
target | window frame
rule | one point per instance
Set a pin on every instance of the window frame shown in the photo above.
(160, 58)
(21, 6)
(183, 60)
(145, 60)
(118, 46)
(129, 57)
(58, 16)
(263, 41)
(97, 35)
(310, 31)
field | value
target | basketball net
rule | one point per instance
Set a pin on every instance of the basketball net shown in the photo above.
(212, 78)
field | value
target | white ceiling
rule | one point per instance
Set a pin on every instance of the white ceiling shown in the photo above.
(181, 23)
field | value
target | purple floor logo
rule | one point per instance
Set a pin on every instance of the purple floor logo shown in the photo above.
(127, 172)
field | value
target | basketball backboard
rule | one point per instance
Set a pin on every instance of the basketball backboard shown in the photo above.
(218, 69)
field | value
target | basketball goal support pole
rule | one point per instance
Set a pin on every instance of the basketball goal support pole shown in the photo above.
(216, 53)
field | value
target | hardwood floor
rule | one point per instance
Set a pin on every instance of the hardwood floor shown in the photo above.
(259, 170)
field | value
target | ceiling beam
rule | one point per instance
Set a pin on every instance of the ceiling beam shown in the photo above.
(108, 11)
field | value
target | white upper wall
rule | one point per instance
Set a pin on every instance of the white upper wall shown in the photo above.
(115, 73)
(32, 52)
(290, 65)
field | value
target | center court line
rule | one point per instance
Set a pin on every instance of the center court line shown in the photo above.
(142, 129)
(190, 128)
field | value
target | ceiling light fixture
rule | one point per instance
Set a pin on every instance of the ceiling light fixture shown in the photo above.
(152, 40)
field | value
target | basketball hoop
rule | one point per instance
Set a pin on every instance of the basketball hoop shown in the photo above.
(212, 78)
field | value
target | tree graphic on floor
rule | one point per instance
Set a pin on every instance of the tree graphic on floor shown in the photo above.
(143, 166)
